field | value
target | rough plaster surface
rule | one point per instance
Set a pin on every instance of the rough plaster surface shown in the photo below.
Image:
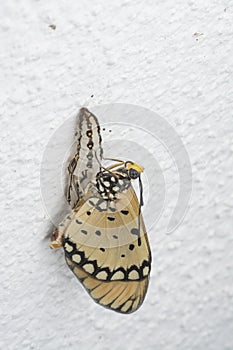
(139, 52)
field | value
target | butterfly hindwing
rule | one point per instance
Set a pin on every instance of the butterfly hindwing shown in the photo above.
(121, 296)
(110, 257)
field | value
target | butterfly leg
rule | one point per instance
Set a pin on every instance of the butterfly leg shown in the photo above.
(58, 233)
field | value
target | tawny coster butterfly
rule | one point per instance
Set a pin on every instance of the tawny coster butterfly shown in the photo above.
(104, 237)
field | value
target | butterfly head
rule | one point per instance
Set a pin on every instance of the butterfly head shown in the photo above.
(134, 170)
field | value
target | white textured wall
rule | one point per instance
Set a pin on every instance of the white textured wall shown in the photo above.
(138, 52)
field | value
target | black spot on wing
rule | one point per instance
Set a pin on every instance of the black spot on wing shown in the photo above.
(112, 209)
(135, 231)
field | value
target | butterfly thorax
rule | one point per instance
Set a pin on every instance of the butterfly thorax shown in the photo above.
(109, 184)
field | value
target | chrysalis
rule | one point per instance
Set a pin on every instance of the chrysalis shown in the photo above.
(83, 161)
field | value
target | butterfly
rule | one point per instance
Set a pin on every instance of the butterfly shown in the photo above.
(105, 240)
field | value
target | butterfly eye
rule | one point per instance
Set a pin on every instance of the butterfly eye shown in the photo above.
(133, 174)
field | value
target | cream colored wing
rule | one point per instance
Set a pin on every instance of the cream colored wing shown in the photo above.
(106, 246)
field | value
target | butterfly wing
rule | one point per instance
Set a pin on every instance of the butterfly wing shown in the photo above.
(106, 247)
(83, 164)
